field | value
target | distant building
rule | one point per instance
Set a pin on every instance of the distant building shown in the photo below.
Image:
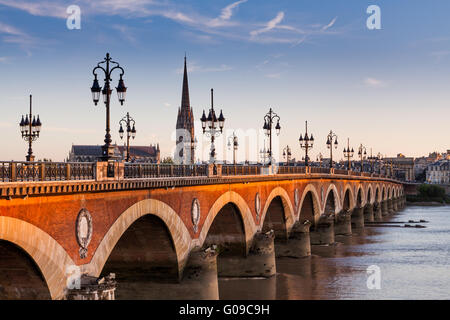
(400, 167)
(439, 172)
(185, 148)
(90, 153)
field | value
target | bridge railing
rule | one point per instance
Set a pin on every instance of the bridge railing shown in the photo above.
(291, 170)
(152, 170)
(13, 171)
(240, 170)
(319, 170)
(16, 171)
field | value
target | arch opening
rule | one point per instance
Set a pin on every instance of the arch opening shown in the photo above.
(309, 208)
(20, 277)
(346, 204)
(275, 218)
(330, 204)
(359, 198)
(227, 232)
(144, 251)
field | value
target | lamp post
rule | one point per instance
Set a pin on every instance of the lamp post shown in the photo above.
(30, 130)
(320, 158)
(214, 125)
(362, 153)
(107, 149)
(131, 131)
(233, 141)
(268, 124)
(348, 154)
(379, 157)
(372, 158)
(331, 136)
(287, 154)
(306, 143)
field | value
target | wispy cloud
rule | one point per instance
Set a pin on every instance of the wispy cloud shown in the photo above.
(374, 83)
(194, 67)
(225, 15)
(270, 25)
(41, 8)
(126, 33)
(273, 75)
(11, 34)
(220, 27)
(328, 26)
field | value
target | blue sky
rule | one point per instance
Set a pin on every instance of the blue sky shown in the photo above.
(309, 60)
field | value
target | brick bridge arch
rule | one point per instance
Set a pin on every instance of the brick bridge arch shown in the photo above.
(337, 201)
(352, 198)
(316, 207)
(288, 209)
(51, 259)
(177, 230)
(244, 211)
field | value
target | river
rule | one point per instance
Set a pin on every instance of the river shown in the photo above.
(413, 263)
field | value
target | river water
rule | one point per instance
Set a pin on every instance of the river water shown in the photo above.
(413, 263)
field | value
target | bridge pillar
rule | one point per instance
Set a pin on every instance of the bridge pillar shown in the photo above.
(368, 213)
(93, 288)
(394, 205)
(343, 225)
(390, 206)
(260, 261)
(358, 217)
(377, 211)
(198, 281)
(298, 245)
(384, 207)
(323, 232)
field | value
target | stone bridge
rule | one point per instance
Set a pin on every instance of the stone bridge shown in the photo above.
(171, 236)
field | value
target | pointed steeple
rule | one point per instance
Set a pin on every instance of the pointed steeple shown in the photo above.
(185, 103)
(185, 121)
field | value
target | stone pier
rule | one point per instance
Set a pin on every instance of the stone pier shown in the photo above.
(198, 281)
(384, 208)
(260, 261)
(323, 232)
(378, 216)
(368, 213)
(343, 224)
(358, 218)
(298, 245)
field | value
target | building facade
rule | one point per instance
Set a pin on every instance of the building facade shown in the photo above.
(439, 172)
(90, 153)
(185, 137)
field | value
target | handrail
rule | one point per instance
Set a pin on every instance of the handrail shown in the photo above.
(23, 171)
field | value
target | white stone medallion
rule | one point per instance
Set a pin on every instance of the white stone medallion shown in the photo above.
(257, 206)
(84, 231)
(296, 199)
(195, 214)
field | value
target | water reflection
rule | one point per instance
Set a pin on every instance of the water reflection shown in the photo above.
(415, 264)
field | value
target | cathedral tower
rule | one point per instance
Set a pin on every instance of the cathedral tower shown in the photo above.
(185, 149)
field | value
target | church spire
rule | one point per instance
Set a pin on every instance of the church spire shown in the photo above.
(185, 103)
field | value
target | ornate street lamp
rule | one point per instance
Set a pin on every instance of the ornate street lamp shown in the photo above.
(373, 159)
(348, 154)
(214, 125)
(268, 124)
(331, 136)
(362, 153)
(287, 154)
(30, 130)
(233, 141)
(107, 149)
(306, 143)
(131, 131)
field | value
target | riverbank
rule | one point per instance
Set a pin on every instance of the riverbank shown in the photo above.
(426, 204)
